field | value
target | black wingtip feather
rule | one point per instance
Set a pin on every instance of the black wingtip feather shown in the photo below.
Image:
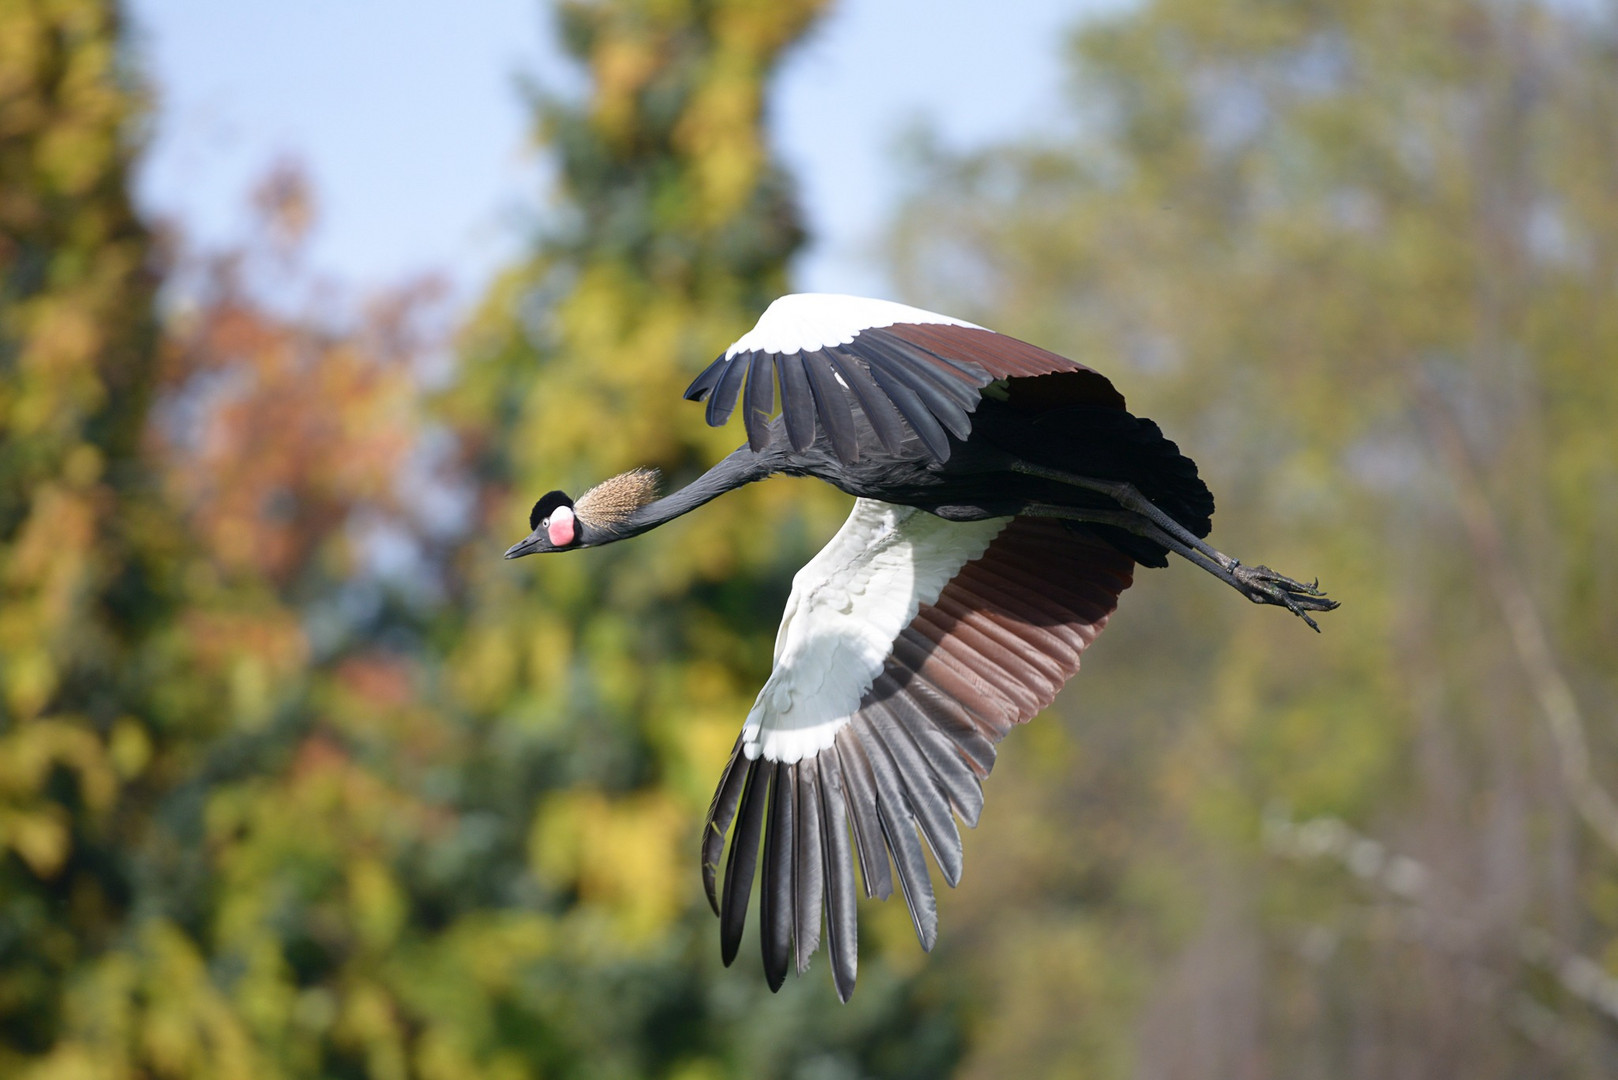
(743, 859)
(831, 401)
(703, 384)
(916, 413)
(940, 405)
(722, 402)
(797, 401)
(760, 400)
(877, 406)
(721, 811)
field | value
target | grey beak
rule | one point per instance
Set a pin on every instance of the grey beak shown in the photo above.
(526, 546)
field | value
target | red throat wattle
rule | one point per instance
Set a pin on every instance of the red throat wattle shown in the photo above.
(560, 529)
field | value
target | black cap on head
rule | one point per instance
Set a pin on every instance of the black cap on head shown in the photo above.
(545, 506)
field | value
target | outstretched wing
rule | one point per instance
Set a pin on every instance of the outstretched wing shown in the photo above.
(899, 365)
(880, 719)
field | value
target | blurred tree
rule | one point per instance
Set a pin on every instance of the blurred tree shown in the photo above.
(297, 777)
(1359, 259)
(86, 736)
(613, 682)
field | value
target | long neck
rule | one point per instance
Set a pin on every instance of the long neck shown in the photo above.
(740, 467)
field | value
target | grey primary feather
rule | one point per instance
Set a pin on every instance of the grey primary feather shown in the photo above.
(842, 925)
(899, 831)
(808, 875)
(930, 687)
(775, 892)
(924, 794)
(937, 744)
(743, 859)
(860, 788)
(935, 705)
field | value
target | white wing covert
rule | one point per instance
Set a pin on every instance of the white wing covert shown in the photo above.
(848, 604)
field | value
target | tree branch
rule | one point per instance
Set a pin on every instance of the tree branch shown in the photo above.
(1549, 687)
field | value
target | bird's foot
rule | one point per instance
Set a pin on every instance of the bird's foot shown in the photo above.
(1262, 585)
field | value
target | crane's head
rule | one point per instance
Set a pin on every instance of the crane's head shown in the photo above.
(560, 524)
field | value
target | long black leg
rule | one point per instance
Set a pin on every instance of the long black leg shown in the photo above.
(1259, 584)
(1129, 497)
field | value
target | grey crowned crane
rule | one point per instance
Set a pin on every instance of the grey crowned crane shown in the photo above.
(1004, 496)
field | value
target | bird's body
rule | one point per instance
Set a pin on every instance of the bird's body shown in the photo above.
(1004, 495)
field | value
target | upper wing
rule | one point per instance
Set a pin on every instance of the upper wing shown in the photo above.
(898, 365)
(987, 648)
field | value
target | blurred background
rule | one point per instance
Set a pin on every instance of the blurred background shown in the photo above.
(302, 307)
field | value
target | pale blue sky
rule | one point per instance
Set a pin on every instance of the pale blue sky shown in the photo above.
(408, 118)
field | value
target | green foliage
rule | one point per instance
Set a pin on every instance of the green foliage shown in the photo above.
(273, 806)
(83, 736)
(1358, 258)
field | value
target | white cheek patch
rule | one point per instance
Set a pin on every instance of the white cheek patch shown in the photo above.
(560, 529)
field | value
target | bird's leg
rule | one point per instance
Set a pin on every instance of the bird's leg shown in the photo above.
(1129, 497)
(1259, 584)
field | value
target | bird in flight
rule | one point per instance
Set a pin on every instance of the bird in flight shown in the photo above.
(1003, 497)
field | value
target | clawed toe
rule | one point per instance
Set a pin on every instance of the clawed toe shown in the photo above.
(1265, 586)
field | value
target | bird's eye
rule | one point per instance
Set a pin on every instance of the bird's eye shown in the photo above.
(545, 524)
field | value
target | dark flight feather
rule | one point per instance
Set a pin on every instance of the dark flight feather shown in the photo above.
(924, 793)
(940, 408)
(743, 859)
(916, 367)
(775, 892)
(934, 737)
(722, 402)
(876, 405)
(760, 400)
(915, 412)
(860, 788)
(808, 875)
(899, 832)
(831, 402)
(720, 813)
(842, 926)
(953, 368)
(703, 384)
(797, 401)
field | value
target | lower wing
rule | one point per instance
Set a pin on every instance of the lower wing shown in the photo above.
(909, 647)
